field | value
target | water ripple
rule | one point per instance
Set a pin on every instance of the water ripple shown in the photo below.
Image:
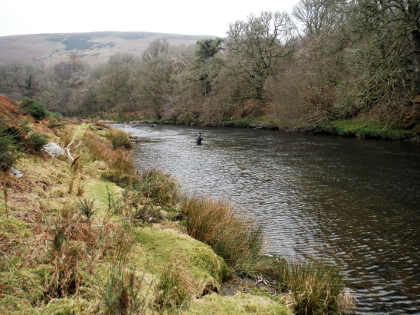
(349, 202)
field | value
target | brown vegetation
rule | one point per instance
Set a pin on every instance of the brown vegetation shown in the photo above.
(238, 241)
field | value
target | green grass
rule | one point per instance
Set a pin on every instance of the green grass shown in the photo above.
(171, 291)
(159, 248)
(316, 287)
(97, 189)
(367, 129)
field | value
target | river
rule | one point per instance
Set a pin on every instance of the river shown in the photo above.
(352, 203)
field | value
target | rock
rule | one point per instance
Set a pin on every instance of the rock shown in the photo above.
(53, 149)
(15, 173)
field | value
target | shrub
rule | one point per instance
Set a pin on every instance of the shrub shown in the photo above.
(67, 250)
(36, 110)
(7, 152)
(36, 141)
(147, 214)
(158, 187)
(86, 206)
(316, 287)
(121, 292)
(120, 139)
(115, 205)
(99, 149)
(171, 291)
(122, 162)
(238, 241)
(121, 168)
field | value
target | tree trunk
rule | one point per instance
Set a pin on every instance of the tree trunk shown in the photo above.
(416, 61)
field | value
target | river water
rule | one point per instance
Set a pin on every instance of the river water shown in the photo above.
(353, 203)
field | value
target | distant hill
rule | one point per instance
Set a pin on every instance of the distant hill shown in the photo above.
(92, 48)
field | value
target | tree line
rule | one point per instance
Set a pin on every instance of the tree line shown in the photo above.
(328, 60)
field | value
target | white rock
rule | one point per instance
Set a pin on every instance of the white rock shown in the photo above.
(15, 173)
(53, 149)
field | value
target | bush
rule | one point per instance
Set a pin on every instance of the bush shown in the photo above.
(121, 168)
(316, 287)
(87, 207)
(7, 149)
(121, 292)
(7, 152)
(158, 187)
(36, 141)
(147, 214)
(99, 149)
(238, 241)
(120, 139)
(171, 291)
(36, 110)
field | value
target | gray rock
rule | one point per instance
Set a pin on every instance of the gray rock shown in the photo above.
(53, 149)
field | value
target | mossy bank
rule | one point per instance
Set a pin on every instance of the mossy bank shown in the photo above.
(360, 127)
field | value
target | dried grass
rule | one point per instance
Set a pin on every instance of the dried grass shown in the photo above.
(316, 288)
(239, 241)
(158, 187)
(119, 139)
(120, 165)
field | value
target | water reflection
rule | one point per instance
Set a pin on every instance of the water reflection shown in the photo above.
(351, 202)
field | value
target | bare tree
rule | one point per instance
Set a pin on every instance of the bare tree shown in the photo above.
(318, 16)
(19, 80)
(401, 18)
(155, 88)
(258, 43)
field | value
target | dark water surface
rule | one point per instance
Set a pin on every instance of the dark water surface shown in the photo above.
(354, 203)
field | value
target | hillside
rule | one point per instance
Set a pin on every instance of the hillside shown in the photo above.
(92, 48)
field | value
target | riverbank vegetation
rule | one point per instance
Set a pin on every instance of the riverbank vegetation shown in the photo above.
(327, 62)
(81, 232)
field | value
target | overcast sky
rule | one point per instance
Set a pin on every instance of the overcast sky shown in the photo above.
(189, 17)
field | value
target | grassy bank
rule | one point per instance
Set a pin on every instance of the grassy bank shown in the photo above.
(367, 129)
(83, 233)
(246, 122)
(357, 128)
(252, 122)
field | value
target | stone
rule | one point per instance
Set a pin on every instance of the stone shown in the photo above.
(15, 173)
(53, 149)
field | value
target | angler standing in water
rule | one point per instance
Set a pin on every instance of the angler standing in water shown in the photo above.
(199, 139)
